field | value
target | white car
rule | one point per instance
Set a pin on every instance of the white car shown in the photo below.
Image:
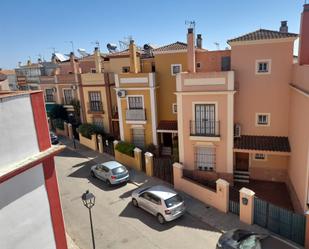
(111, 172)
(160, 201)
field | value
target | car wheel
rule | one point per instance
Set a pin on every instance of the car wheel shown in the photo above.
(160, 218)
(92, 174)
(134, 202)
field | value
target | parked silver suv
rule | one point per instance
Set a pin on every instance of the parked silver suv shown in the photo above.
(160, 201)
(111, 172)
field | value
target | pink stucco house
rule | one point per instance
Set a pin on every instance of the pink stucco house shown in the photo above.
(247, 117)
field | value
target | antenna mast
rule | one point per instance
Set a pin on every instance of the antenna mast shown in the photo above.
(190, 24)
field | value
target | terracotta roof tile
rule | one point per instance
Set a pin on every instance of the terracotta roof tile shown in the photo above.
(169, 125)
(171, 47)
(266, 143)
(262, 34)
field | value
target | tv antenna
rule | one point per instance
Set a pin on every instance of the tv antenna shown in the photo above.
(97, 43)
(72, 44)
(217, 45)
(54, 49)
(190, 24)
(124, 44)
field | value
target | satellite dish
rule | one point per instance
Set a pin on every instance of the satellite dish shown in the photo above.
(147, 46)
(82, 52)
(111, 47)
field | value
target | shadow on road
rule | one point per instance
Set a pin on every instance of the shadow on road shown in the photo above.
(151, 221)
(69, 153)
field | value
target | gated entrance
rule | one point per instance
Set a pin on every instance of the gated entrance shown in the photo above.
(280, 221)
(108, 147)
(163, 168)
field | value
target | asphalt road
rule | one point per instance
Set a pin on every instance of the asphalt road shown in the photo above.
(117, 224)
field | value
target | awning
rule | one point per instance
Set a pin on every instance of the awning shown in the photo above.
(169, 126)
(262, 143)
(49, 106)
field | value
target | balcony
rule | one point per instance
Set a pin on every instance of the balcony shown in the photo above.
(95, 107)
(205, 128)
(92, 79)
(135, 115)
(49, 98)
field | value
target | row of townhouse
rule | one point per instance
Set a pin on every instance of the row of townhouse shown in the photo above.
(240, 114)
(237, 114)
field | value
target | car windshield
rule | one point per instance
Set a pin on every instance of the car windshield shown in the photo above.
(173, 201)
(251, 242)
(118, 170)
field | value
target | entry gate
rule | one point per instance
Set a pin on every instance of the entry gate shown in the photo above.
(280, 221)
(163, 168)
(108, 147)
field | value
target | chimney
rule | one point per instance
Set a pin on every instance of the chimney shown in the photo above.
(191, 51)
(29, 63)
(19, 64)
(39, 60)
(133, 58)
(97, 60)
(54, 59)
(284, 27)
(73, 63)
(303, 52)
(199, 41)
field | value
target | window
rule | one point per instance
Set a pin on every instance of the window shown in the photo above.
(125, 69)
(49, 95)
(205, 120)
(198, 65)
(262, 119)
(175, 69)
(135, 102)
(225, 63)
(205, 158)
(68, 96)
(263, 66)
(95, 103)
(97, 121)
(261, 157)
(174, 108)
(138, 137)
(93, 70)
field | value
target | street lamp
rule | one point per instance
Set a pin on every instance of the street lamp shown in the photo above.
(89, 201)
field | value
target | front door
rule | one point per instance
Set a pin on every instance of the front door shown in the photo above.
(167, 139)
(205, 119)
(242, 161)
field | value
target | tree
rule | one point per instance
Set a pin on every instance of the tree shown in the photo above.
(58, 112)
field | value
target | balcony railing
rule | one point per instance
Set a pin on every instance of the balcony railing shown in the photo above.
(49, 98)
(135, 115)
(205, 128)
(95, 107)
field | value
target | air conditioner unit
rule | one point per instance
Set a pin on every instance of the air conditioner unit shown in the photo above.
(237, 130)
(121, 93)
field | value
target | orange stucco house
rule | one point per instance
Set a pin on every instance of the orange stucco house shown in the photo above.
(243, 113)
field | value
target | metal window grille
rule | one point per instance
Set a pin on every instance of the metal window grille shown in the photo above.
(95, 101)
(135, 102)
(138, 137)
(68, 96)
(205, 158)
(49, 95)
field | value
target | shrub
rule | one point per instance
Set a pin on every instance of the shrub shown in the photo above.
(152, 149)
(125, 148)
(87, 130)
(58, 123)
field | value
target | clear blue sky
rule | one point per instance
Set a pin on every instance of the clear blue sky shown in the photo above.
(32, 27)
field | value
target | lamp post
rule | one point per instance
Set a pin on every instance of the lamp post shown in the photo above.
(89, 201)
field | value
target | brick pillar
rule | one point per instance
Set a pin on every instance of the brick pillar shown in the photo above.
(246, 202)
(100, 143)
(223, 193)
(149, 163)
(177, 173)
(138, 158)
(70, 131)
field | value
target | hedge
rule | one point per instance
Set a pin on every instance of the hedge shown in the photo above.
(58, 123)
(126, 148)
(87, 130)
